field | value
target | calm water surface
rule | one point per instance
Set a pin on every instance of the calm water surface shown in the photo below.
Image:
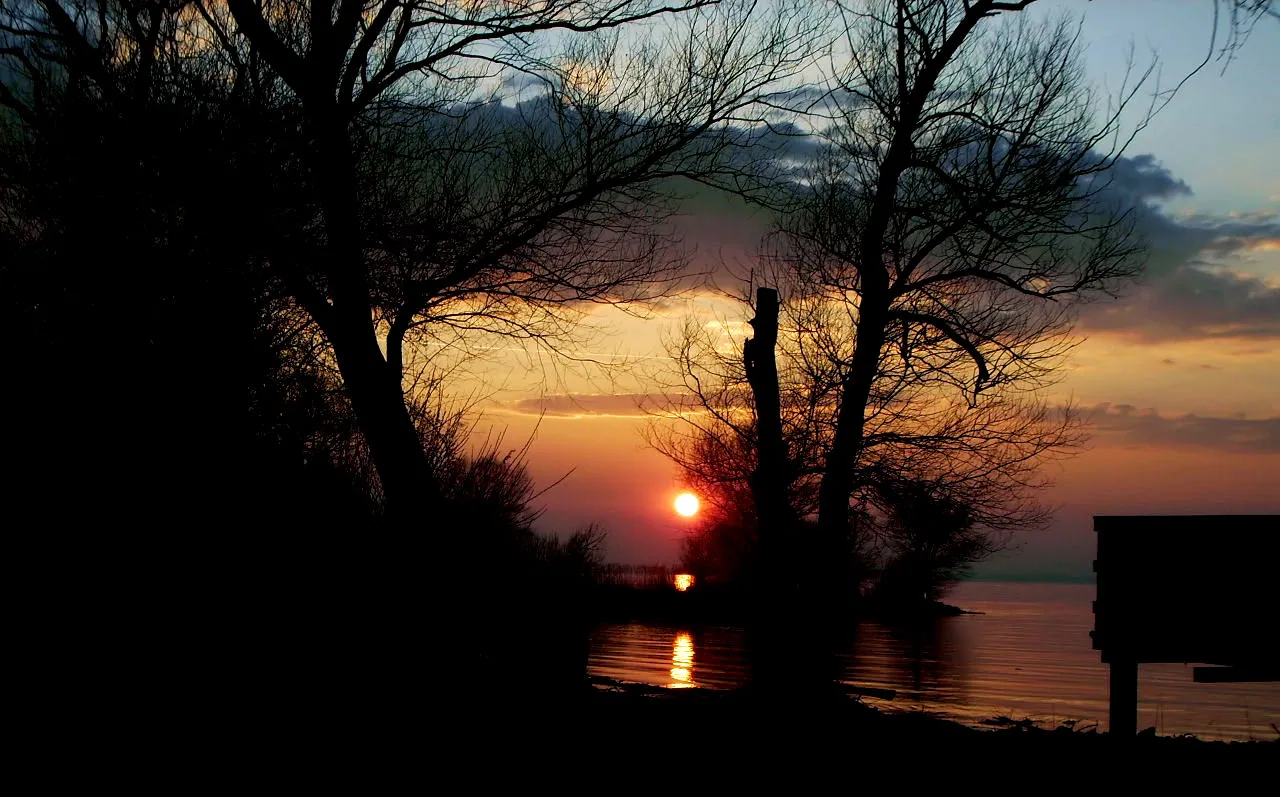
(1028, 655)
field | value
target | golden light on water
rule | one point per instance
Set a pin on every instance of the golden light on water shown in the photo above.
(687, 504)
(682, 662)
(683, 581)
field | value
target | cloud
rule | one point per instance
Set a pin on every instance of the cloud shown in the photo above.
(1127, 425)
(1144, 177)
(577, 405)
(1255, 216)
(1196, 284)
(1192, 303)
(1193, 286)
(1264, 245)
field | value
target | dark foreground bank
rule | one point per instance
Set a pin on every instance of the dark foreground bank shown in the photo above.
(824, 733)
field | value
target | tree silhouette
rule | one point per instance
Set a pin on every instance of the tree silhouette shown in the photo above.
(130, 311)
(404, 191)
(492, 222)
(926, 542)
(928, 266)
(183, 417)
(958, 210)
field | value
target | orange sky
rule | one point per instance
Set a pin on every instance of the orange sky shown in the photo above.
(1185, 401)
(620, 482)
(1180, 427)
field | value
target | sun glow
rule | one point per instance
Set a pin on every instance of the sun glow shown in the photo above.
(687, 504)
(682, 662)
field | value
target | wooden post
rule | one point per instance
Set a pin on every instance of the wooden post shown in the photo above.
(770, 480)
(1123, 719)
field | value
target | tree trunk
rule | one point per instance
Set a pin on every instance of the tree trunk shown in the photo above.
(410, 490)
(769, 482)
(873, 307)
(838, 477)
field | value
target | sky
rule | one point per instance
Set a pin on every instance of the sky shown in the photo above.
(1181, 375)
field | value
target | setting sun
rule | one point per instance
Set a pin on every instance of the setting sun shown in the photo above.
(687, 504)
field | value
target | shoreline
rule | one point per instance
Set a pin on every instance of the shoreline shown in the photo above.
(741, 718)
(840, 691)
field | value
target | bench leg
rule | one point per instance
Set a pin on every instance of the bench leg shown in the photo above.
(1124, 698)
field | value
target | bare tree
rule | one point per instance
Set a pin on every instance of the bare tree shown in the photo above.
(491, 166)
(928, 267)
(923, 441)
(497, 221)
(958, 210)
(926, 542)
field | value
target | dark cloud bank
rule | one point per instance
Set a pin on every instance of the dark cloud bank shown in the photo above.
(1195, 285)
(1189, 290)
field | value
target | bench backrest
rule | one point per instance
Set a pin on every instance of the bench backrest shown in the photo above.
(1188, 588)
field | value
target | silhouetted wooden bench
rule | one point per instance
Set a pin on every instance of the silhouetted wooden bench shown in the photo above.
(1186, 588)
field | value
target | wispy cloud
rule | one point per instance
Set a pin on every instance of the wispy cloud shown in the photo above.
(1197, 283)
(577, 405)
(1125, 424)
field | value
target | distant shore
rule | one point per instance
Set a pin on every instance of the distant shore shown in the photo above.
(726, 606)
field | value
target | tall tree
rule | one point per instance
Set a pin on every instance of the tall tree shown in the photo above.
(957, 211)
(532, 217)
(928, 265)
(481, 167)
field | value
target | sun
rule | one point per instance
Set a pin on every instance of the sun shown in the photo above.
(687, 504)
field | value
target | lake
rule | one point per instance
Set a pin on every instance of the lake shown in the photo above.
(1026, 655)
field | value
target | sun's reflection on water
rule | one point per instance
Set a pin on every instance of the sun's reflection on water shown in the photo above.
(682, 662)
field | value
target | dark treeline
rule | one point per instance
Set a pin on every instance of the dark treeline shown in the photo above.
(149, 198)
